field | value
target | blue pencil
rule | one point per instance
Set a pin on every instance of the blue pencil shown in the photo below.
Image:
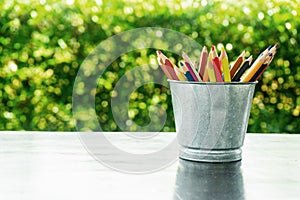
(186, 72)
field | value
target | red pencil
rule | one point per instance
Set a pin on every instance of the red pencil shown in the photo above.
(189, 64)
(217, 64)
(202, 62)
(163, 66)
(168, 65)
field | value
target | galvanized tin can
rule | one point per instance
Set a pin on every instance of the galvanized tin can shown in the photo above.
(211, 119)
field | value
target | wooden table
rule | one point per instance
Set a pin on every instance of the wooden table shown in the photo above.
(55, 165)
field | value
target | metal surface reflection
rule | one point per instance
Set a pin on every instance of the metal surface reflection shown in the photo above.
(196, 180)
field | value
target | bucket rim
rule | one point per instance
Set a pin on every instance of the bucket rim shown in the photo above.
(212, 83)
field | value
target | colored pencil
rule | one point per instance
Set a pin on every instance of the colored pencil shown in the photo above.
(217, 64)
(213, 68)
(186, 72)
(243, 68)
(206, 77)
(191, 68)
(168, 65)
(202, 62)
(257, 64)
(210, 69)
(225, 65)
(163, 66)
(264, 66)
(236, 65)
(179, 74)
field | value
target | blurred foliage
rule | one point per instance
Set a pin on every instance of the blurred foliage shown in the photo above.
(43, 43)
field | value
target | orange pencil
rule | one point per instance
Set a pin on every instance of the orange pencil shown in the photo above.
(257, 64)
(205, 76)
(262, 68)
(265, 65)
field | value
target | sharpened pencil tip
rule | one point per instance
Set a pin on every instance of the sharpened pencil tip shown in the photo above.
(243, 53)
(184, 56)
(212, 47)
(270, 47)
(250, 59)
(209, 56)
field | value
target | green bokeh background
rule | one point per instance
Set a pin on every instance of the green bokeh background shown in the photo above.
(43, 43)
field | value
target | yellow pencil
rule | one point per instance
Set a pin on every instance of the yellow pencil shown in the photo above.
(179, 74)
(205, 76)
(225, 65)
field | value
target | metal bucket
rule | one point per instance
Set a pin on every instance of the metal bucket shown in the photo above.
(211, 119)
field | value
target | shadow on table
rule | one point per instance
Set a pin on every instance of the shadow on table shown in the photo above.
(197, 180)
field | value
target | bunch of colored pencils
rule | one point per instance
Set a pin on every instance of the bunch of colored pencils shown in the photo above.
(214, 68)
